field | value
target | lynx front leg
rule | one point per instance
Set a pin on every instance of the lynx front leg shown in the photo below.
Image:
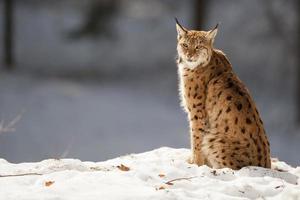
(196, 157)
(196, 145)
(198, 125)
(194, 96)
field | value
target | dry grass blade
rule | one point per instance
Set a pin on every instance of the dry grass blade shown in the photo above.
(26, 174)
(66, 152)
(179, 179)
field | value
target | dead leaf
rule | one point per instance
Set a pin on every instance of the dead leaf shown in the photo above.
(161, 188)
(123, 167)
(49, 183)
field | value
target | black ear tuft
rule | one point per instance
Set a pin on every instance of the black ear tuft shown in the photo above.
(176, 20)
(216, 26)
(180, 28)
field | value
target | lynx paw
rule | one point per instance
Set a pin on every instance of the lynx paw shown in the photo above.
(190, 160)
(195, 160)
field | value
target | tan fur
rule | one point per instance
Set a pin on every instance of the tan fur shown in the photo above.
(225, 126)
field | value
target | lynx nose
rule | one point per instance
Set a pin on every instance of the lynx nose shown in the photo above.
(189, 58)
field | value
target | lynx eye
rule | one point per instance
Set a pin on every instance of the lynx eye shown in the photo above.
(184, 45)
(199, 47)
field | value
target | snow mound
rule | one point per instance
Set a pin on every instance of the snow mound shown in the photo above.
(159, 174)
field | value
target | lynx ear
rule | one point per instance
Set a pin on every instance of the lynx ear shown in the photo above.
(212, 33)
(181, 31)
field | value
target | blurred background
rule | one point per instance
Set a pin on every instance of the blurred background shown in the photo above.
(96, 79)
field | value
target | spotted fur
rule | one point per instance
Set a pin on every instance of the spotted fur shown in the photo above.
(225, 126)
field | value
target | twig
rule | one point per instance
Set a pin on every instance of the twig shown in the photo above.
(179, 179)
(26, 174)
(5, 128)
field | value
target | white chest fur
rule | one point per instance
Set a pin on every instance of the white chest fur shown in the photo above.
(181, 86)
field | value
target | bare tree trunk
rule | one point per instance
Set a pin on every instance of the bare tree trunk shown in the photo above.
(98, 20)
(200, 7)
(8, 34)
(298, 62)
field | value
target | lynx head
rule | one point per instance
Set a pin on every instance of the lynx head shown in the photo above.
(195, 47)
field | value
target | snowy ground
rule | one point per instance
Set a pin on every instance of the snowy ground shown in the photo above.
(158, 174)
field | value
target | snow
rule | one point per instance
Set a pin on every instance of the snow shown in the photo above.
(159, 174)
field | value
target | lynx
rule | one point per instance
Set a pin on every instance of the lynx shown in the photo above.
(225, 127)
